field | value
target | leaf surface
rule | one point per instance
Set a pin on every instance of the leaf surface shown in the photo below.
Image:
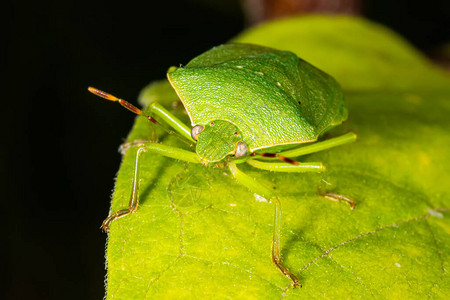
(198, 234)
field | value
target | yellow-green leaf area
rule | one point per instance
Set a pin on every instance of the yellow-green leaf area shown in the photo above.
(198, 234)
(359, 54)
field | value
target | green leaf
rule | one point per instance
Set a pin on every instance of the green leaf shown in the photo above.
(198, 234)
(359, 54)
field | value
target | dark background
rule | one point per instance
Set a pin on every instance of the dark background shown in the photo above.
(59, 156)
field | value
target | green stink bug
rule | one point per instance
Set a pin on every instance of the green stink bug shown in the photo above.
(247, 104)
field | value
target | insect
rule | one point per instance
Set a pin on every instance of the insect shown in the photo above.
(247, 104)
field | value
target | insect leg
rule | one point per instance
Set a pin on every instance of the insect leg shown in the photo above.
(134, 198)
(276, 244)
(127, 145)
(259, 189)
(320, 146)
(161, 149)
(309, 167)
(311, 148)
(336, 197)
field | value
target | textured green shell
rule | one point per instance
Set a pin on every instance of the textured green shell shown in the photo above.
(272, 96)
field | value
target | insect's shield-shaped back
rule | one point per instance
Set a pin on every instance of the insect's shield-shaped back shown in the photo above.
(272, 96)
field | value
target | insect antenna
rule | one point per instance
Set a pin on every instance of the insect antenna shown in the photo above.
(280, 157)
(135, 110)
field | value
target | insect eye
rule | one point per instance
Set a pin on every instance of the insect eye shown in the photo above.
(195, 131)
(211, 124)
(241, 149)
(236, 134)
